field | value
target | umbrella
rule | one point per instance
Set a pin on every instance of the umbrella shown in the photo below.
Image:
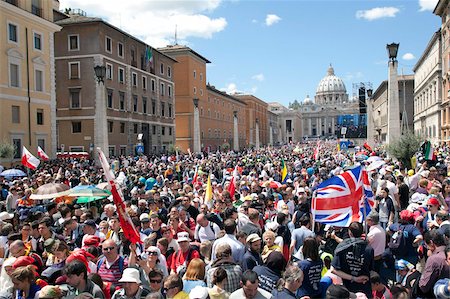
(103, 186)
(374, 158)
(88, 199)
(271, 184)
(88, 191)
(375, 165)
(50, 190)
(361, 157)
(10, 173)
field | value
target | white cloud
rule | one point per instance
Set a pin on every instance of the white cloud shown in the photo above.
(254, 90)
(377, 13)
(258, 77)
(408, 56)
(230, 89)
(272, 19)
(154, 21)
(427, 4)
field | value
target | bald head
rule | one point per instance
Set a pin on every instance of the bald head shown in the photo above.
(201, 219)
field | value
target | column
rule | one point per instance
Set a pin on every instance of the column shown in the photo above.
(393, 123)
(100, 120)
(196, 145)
(325, 125)
(53, 133)
(257, 134)
(320, 126)
(318, 130)
(309, 126)
(370, 125)
(235, 131)
(333, 125)
(270, 135)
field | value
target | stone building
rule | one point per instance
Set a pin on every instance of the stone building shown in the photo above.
(27, 80)
(289, 124)
(428, 91)
(135, 103)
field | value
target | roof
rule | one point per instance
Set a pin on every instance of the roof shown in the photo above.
(174, 49)
(434, 38)
(74, 19)
(222, 93)
(251, 97)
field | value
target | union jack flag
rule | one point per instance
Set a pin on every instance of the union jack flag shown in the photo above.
(343, 199)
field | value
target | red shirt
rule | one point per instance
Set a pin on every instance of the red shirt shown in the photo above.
(179, 258)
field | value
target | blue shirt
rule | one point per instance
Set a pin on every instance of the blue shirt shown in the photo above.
(312, 271)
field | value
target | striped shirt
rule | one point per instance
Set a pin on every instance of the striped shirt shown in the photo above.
(112, 273)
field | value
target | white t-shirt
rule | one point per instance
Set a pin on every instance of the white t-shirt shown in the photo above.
(206, 233)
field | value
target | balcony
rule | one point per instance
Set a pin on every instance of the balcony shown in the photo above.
(35, 10)
(13, 2)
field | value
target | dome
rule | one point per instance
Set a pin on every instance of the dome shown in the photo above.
(331, 83)
(307, 100)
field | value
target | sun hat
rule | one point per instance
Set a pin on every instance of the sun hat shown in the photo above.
(183, 237)
(253, 238)
(50, 292)
(130, 275)
(6, 216)
(198, 292)
(144, 217)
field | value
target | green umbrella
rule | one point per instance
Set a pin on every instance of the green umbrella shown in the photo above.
(87, 199)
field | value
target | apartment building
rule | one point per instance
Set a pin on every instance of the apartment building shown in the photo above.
(132, 102)
(27, 82)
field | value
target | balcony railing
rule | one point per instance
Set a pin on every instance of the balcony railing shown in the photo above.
(35, 10)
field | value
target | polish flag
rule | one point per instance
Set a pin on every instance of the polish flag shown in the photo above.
(232, 187)
(42, 154)
(28, 160)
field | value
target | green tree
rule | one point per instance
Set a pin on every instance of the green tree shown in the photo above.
(404, 148)
(295, 105)
(7, 150)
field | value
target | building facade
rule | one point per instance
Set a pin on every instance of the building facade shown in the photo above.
(320, 117)
(428, 91)
(289, 127)
(27, 82)
(205, 116)
(442, 10)
(256, 121)
(378, 106)
(135, 103)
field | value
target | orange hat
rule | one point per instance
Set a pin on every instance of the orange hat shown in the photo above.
(433, 201)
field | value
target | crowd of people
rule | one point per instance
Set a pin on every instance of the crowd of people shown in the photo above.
(255, 237)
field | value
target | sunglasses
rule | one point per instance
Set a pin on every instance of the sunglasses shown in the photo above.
(109, 248)
(152, 253)
(155, 280)
(166, 289)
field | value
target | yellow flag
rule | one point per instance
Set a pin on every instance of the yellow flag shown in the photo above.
(208, 193)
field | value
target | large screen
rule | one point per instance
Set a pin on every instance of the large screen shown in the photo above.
(356, 125)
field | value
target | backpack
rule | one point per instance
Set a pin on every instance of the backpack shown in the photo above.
(211, 225)
(214, 218)
(121, 263)
(397, 244)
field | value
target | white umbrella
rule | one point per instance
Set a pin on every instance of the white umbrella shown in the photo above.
(374, 158)
(375, 165)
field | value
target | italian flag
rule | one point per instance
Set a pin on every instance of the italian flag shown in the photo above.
(428, 151)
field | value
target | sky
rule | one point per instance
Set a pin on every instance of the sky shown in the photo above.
(279, 50)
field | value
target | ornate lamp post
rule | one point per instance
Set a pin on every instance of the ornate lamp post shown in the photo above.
(100, 120)
(393, 121)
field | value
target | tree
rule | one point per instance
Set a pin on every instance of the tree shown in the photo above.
(295, 105)
(404, 148)
(6, 150)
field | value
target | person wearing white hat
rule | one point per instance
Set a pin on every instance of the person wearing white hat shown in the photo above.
(131, 286)
(181, 259)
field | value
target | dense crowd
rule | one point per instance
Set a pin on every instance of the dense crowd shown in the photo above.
(255, 238)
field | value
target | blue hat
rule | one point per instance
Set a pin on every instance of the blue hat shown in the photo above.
(403, 265)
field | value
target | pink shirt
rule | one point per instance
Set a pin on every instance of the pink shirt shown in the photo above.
(377, 239)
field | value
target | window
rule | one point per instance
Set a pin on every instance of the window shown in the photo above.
(161, 68)
(195, 90)
(170, 131)
(163, 109)
(162, 89)
(14, 78)
(153, 107)
(153, 85)
(112, 150)
(144, 82)
(122, 128)
(18, 151)
(154, 130)
(201, 92)
(75, 98)
(169, 90)
(110, 99)
(144, 105)
(135, 128)
(169, 72)
(123, 150)
(170, 110)
(40, 116)
(120, 49)
(12, 33)
(134, 75)
(15, 112)
(110, 126)
(74, 70)
(108, 44)
(37, 41)
(163, 131)
(195, 74)
(121, 100)
(121, 75)
(133, 57)
(74, 42)
(201, 76)
(76, 127)
(41, 143)
(135, 103)
(109, 71)
(38, 80)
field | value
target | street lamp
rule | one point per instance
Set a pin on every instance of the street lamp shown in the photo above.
(100, 73)
(392, 51)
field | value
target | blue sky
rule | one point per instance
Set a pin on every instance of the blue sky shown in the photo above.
(280, 50)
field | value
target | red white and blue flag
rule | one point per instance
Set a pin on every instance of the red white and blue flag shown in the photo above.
(343, 199)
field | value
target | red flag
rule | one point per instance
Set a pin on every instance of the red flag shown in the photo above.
(232, 187)
(316, 151)
(42, 154)
(367, 147)
(195, 179)
(127, 225)
(28, 160)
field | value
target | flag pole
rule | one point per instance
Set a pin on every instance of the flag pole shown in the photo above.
(313, 209)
